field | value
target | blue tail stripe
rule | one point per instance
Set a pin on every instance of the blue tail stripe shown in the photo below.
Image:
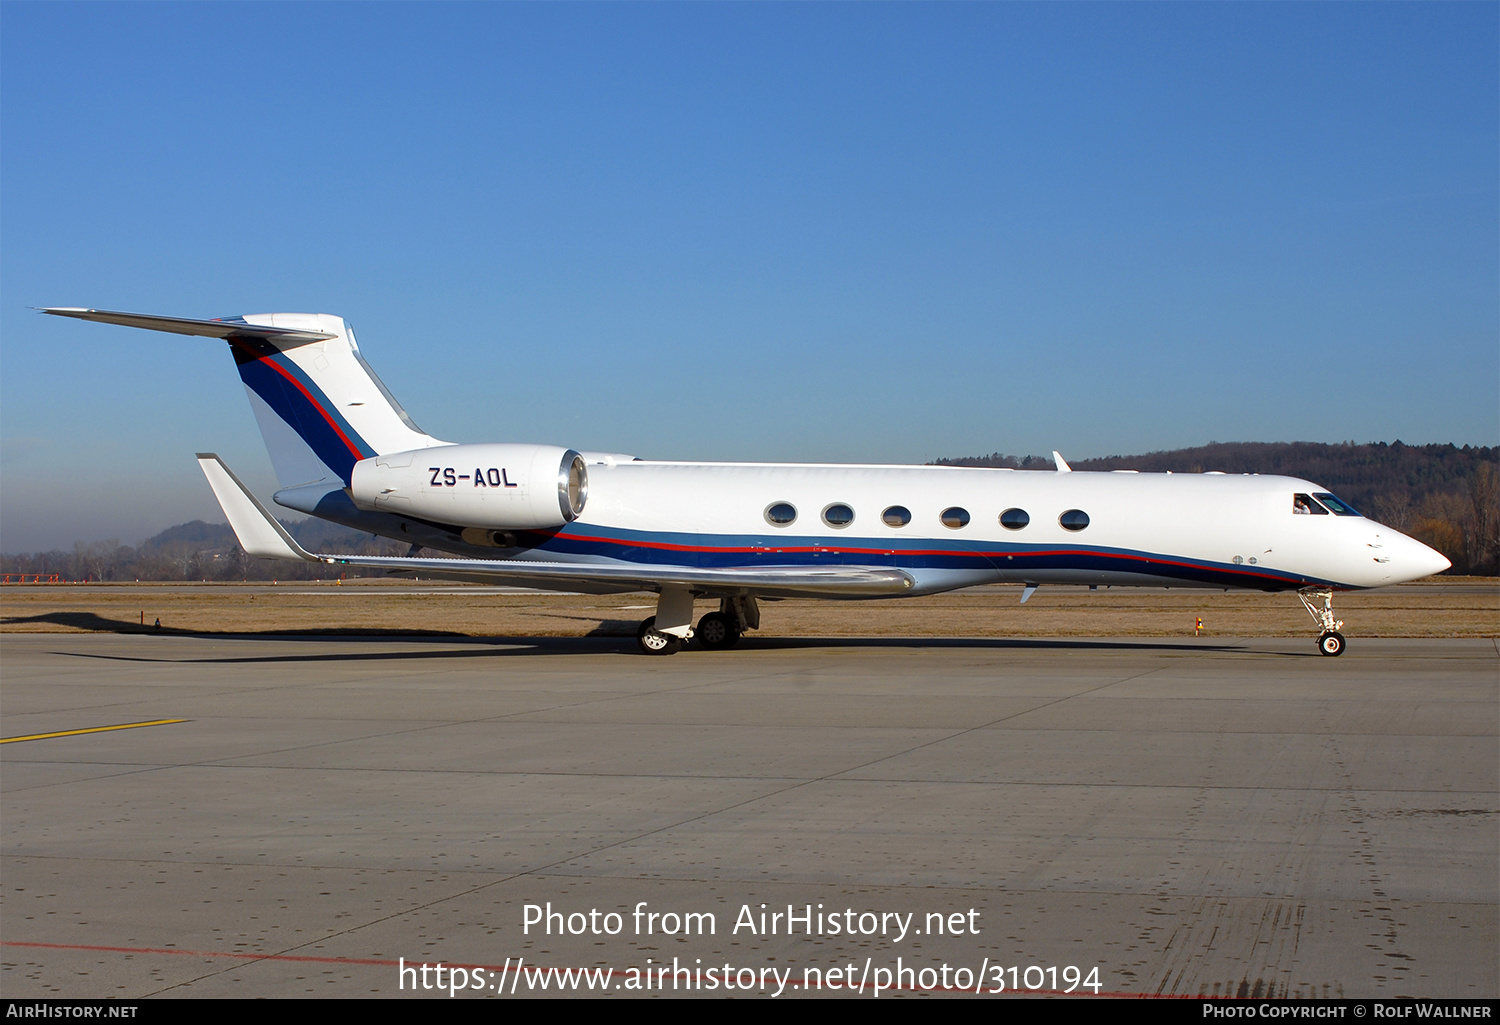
(304, 406)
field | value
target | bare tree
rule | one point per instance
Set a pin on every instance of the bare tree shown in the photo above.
(1484, 533)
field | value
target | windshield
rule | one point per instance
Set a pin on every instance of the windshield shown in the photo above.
(1339, 508)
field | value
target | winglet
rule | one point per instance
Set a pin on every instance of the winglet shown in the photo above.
(1061, 463)
(257, 530)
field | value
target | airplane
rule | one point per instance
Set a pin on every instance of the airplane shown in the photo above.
(553, 518)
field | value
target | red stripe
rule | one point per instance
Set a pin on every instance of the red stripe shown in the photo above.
(271, 362)
(1150, 560)
(241, 955)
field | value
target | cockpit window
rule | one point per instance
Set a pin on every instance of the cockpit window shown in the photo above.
(1339, 508)
(1303, 505)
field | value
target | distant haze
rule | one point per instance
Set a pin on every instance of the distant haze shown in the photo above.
(1445, 495)
(831, 232)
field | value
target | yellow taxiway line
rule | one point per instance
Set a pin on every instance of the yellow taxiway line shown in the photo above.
(91, 729)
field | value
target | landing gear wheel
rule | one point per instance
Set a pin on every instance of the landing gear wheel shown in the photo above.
(654, 642)
(716, 630)
(1330, 641)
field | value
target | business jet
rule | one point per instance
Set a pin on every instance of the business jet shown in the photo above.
(551, 517)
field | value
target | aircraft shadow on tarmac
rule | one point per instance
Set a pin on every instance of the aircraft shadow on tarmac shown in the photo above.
(92, 622)
(610, 637)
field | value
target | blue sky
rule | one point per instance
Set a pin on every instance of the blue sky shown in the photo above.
(770, 231)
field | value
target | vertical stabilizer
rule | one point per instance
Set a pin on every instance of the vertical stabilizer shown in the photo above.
(320, 407)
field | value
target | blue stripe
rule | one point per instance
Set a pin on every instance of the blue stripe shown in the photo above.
(647, 548)
(310, 419)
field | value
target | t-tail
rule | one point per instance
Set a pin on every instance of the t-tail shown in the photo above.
(344, 450)
(320, 407)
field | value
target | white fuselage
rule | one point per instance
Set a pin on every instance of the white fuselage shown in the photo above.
(345, 450)
(1209, 530)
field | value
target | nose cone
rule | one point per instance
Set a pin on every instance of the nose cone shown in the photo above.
(1412, 560)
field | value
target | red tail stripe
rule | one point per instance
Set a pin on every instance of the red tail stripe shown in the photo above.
(274, 365)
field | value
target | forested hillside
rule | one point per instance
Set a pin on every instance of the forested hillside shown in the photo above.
(1444, 495)
(200, 551)
(1447, 496)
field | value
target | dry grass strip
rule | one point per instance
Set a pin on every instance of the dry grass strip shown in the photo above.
(1448, 607)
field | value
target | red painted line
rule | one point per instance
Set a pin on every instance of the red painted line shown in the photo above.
(667, 546)
(1150, 560)
(206, 953)
(270, 362)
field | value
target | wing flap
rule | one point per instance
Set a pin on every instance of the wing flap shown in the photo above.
(833, 581)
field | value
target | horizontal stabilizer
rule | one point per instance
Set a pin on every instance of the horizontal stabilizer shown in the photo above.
(182, 326)
(257, 530)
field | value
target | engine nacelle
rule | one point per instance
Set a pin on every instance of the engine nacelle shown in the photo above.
(504, 487)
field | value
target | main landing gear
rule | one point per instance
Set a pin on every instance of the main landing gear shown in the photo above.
(1330, 641)
(654, 642)
(716, 630)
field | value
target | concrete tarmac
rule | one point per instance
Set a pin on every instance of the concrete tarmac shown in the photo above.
(1175, 817)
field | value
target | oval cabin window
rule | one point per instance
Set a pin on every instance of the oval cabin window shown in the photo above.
(955, 517)
(1074, 519)
(1014, 519)
(780, 514)
(896, 516)
(838, 515)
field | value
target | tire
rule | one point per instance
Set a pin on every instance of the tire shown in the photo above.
(1331, 643)
(653, 642)
(716, 631)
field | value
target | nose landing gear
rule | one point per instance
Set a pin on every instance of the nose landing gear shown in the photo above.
(1330, 641)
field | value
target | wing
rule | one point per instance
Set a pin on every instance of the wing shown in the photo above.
(260, 534)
